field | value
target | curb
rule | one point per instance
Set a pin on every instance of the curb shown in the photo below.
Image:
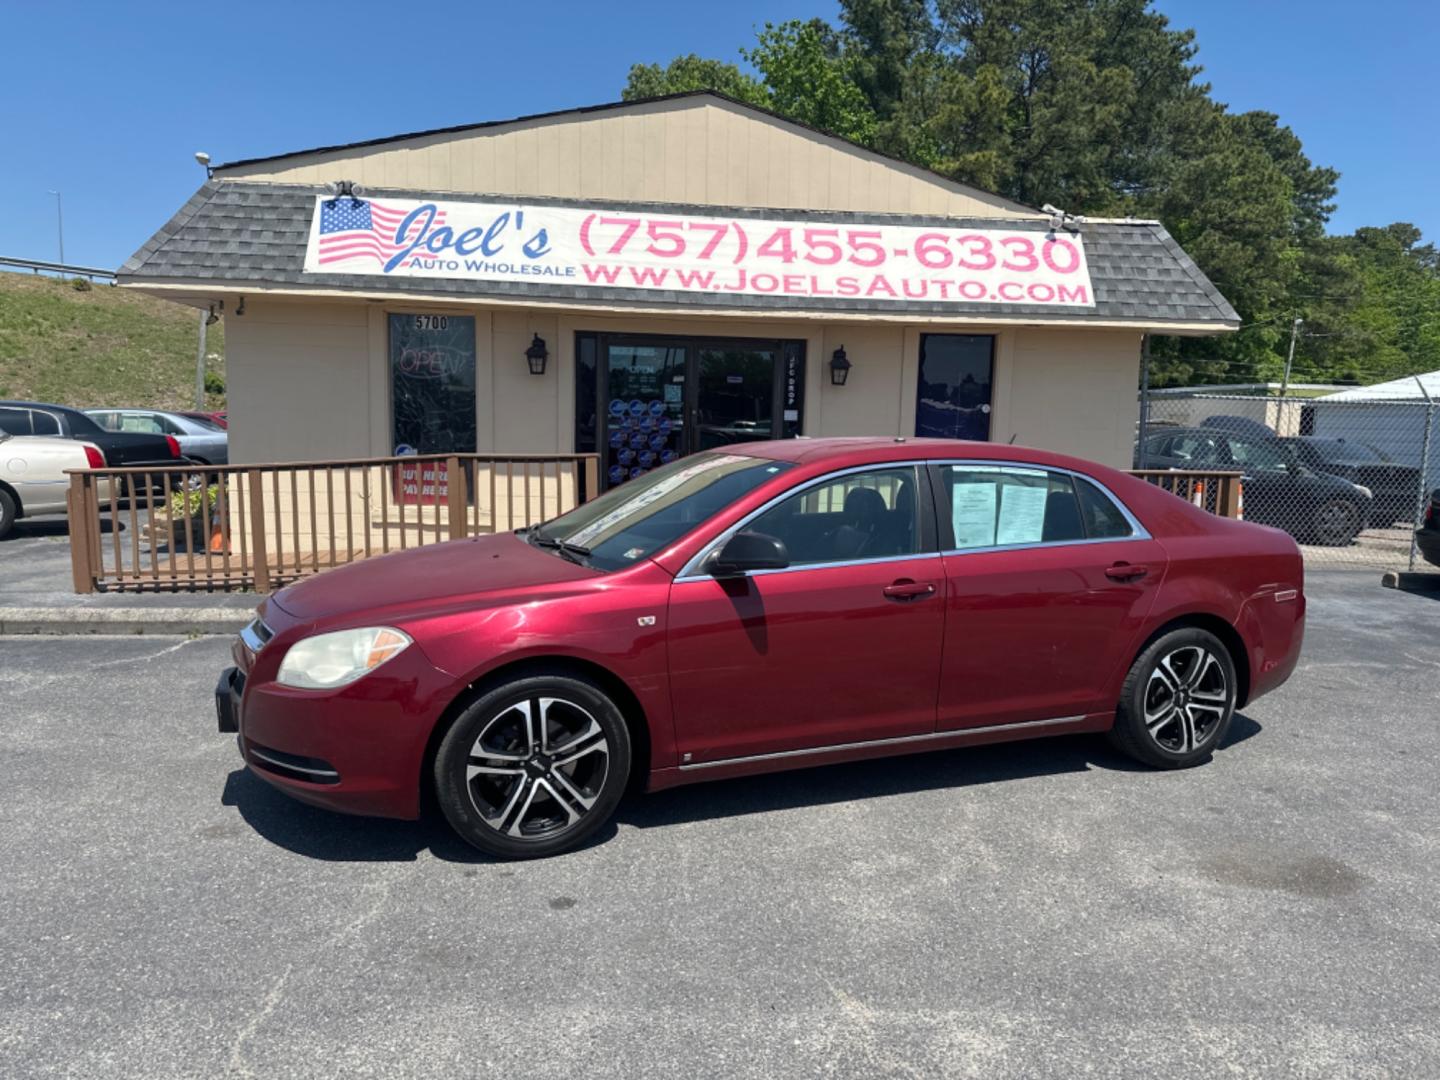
(60, 620)
(1411, 582)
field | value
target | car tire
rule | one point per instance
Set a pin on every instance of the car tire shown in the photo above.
(1177, 700)
(534, 766)
(1336, 522)
(8, 513)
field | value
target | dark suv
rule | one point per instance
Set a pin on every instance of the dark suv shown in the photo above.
(1313, 507)
(1396, 487)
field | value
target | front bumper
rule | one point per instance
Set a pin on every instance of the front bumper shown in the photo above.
(1428, 543)
(228, 692)
(357, 750)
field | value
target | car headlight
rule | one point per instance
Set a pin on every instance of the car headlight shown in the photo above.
(326, 661)
(1364, 491)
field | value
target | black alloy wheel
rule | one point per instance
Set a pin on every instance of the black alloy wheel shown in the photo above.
(1336, 522)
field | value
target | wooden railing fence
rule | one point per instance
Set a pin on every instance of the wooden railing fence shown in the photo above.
(261, 526)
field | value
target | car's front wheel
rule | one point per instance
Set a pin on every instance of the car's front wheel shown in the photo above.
(1337, 522)
(534, 766)
(1177, 700)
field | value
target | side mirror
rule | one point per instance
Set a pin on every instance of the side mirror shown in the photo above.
(746, 551)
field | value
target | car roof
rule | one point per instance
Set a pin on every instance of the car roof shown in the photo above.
(50, 406)
(842, 452)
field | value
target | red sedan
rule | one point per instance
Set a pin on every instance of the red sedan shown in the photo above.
(768, 606)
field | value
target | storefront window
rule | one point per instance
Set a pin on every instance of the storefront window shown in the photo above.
(956, 372)
(432, 384)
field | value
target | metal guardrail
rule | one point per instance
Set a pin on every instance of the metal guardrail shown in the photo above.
(258, 527)
(91, 272)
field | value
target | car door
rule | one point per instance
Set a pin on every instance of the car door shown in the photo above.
(1049, 580)
(841, 646)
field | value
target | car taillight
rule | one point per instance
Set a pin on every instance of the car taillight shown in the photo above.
(93, 458)
(174, 445)
(1432, 515)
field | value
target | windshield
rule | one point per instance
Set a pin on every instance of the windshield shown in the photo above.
(637, 519)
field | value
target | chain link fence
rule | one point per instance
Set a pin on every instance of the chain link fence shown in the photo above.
(1348, 475)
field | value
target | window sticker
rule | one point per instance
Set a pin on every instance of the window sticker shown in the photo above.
(1022, 515)
(972, 514)
(653, 494)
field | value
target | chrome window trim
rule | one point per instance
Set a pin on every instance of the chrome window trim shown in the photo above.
(1138, 531)
(691, 570)
(901, 740)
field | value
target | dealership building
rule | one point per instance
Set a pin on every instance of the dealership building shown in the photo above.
(647, 279)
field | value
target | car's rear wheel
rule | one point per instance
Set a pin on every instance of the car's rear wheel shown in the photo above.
(1177, 700)
(534, 766)
(1337, 522)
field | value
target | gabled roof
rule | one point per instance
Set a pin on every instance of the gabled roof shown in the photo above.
(614, 106)
(236, 233)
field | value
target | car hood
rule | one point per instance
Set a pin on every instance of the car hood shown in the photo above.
(439, 575)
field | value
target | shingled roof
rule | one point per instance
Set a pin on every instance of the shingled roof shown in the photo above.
(234, 233)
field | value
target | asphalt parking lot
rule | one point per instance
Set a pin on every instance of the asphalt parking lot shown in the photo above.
(1037, 910)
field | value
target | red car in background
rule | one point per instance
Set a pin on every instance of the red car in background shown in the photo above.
(217, 418)
(769, 606)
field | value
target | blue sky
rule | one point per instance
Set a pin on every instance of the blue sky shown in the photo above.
(107, 102)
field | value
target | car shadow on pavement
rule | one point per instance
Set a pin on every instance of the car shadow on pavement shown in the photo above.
(321, 834)
(39, 528)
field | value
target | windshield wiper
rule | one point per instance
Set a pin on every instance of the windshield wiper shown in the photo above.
(576, 553)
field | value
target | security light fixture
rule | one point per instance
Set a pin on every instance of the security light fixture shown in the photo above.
(1059, 219)
(203, 158)
(346, 189)
(536, 355)
(839, 367)
(211, 319)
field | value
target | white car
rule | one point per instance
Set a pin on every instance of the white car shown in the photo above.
(32, 474)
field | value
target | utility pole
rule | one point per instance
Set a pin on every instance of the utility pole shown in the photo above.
(1290, 358)
(60, 225)
(1140, 458)
(205, 318)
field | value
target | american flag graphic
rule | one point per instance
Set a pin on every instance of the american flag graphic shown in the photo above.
(364, 229)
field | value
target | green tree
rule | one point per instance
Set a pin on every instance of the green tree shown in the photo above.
(1097, 106)
(692, 72)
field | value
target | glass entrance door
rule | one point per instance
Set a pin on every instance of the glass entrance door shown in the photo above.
(734, 395)
(646, 405)
(657, 398)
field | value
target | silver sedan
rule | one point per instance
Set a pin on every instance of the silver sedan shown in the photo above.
(200, 440)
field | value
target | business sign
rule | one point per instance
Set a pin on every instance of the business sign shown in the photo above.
(575, 246)
(421, 483)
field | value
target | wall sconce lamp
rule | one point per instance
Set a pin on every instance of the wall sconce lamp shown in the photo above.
(839, 367)
(536, 355)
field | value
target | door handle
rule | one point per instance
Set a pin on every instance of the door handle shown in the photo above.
(1126, 572)
(908, 590)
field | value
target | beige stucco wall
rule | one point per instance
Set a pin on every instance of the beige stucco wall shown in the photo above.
(690, 150)
(310, 381)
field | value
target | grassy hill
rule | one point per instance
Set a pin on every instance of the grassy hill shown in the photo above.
(101, 346)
